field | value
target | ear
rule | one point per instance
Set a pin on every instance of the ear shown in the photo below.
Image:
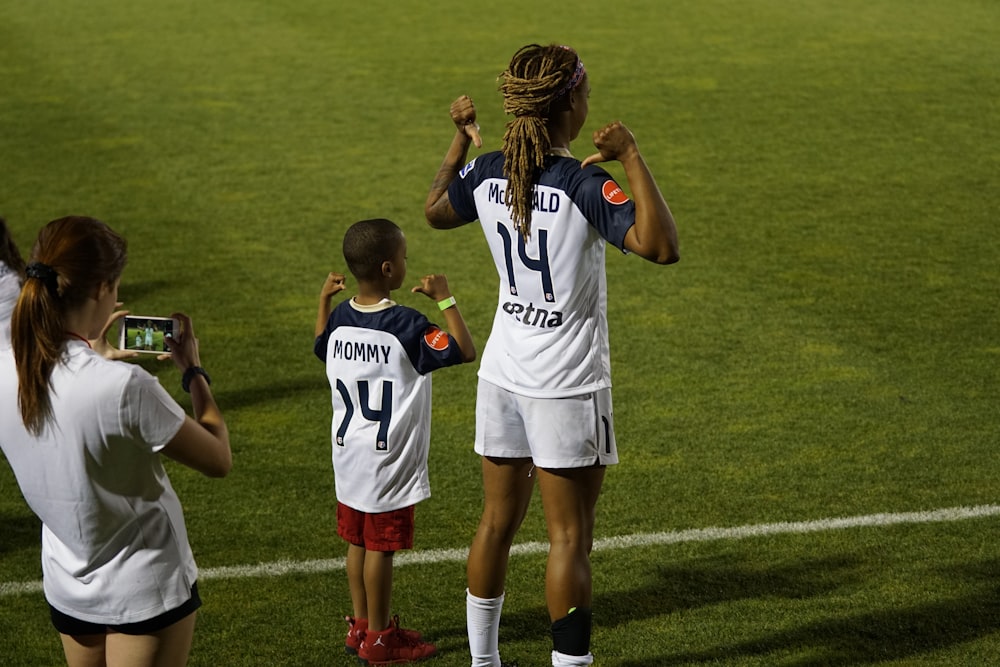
(104, 289)
(387, 268)
(573, 98)
(563, 104)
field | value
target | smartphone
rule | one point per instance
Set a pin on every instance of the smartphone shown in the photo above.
(145, 333)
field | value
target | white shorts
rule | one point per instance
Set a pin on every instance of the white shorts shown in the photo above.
(572, 432)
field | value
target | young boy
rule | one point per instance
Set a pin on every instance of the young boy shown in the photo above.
(379, 356)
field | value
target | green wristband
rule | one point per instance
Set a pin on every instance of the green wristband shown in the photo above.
(445, 304)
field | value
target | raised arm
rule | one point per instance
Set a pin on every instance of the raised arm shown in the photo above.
(335, 282)
(437, 209)
(436, 287)
(654, 234)
(202, 443)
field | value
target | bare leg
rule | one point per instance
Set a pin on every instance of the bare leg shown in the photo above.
(84, 650)
(378, 587)
(507, 487)
(507, 490)
(356, 579)
(569, 496)
(167, 648)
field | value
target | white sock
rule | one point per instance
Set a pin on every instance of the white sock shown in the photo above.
(563, 660)
(482, 617)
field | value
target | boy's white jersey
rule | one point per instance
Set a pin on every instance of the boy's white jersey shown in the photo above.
(378, 360)
(550, 331)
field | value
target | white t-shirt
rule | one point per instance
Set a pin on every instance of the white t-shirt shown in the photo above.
(550, 330)
(378, 361)
(10, 289)
(114, 544)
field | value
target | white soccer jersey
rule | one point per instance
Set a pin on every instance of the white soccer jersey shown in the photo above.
(378, 360)
(550, 330)
(114, 544)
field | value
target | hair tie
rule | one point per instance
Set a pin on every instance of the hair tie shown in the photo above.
(46, 274)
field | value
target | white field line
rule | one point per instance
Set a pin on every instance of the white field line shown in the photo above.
(283, 567)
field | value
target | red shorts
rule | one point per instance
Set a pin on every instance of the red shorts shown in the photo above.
(385, 531)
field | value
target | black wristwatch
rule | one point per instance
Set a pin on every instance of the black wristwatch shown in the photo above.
(189, 375)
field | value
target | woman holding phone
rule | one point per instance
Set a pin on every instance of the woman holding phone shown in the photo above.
(85, 434)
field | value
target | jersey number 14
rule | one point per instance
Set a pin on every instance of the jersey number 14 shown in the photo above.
(539, 265)
(382, 416)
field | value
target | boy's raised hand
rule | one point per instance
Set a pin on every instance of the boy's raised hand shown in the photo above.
(434, 285)
(335, 282)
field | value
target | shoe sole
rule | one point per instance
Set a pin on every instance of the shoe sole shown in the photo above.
(401, 661)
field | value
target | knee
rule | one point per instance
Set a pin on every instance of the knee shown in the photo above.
(576, 539)
(499, 528)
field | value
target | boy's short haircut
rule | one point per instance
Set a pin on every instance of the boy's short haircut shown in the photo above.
(368, 243)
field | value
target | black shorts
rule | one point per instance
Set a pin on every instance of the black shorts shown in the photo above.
(68, 625)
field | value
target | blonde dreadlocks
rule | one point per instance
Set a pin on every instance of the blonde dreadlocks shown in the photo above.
(536, 77)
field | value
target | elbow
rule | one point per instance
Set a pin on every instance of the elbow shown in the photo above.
(667, 254)
(438, 222)
(468, 352)
(659, 246)
(440, 215)
(432, 216)
(219, 470)
(221, 466)
(671, 257)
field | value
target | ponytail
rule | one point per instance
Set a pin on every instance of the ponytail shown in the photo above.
(537, 77)
(72, 257)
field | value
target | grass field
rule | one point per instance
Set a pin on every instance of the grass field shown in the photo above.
(827, 347)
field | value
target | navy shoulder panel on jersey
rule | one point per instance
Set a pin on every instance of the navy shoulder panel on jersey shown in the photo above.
(479, 169)
(592, 189)
(598, 196)
(427, 346)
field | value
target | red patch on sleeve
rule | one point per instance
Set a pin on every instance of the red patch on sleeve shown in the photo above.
(613, 193)
(436, 339)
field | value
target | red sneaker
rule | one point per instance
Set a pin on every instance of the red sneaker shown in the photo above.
(393, 646)
(357, 627)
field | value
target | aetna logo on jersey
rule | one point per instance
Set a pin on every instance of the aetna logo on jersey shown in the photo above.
(613, 193)
(534, 317)
(436, 339)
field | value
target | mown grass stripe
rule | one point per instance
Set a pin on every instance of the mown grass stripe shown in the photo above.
(431, 556)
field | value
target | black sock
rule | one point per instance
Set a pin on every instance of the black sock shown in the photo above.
(571, 633)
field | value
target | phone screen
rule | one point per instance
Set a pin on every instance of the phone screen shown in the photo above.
(143, 333)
